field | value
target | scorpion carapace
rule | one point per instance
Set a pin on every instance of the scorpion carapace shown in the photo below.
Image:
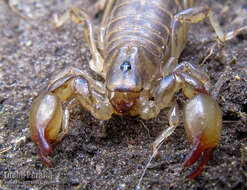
(139, 44)
(125, 79)
(126, 73)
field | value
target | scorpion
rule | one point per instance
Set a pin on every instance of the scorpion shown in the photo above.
(139, 44)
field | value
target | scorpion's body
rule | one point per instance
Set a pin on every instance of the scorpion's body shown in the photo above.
(144, 25)
(139, 32)
(140, 42)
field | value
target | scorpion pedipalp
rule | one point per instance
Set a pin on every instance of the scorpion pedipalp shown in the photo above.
(203, 122)
(45, 123)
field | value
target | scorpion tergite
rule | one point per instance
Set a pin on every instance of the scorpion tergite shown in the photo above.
(139, 43)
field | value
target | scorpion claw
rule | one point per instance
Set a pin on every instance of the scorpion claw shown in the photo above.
(206, 157)
(43, 144)
(45, 123)
(194, 155)
(43, 155)
(203, 127)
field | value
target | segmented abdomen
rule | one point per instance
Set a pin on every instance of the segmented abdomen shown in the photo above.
(145, 23)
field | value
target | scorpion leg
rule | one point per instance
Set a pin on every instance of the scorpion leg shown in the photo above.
(49, 123)
(180, 26)
(81, 17)
(173, 116)
(224, 37)
(195, 15)
(101, 33)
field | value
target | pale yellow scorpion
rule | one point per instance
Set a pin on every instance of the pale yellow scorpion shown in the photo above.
(139, 44)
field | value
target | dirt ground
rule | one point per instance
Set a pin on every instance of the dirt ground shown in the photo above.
(32, 50)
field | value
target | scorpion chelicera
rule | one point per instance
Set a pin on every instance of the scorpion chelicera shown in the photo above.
(139, 44)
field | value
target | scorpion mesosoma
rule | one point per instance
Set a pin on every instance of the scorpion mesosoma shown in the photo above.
(139, 44)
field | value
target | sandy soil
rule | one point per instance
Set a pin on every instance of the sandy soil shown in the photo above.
(32, 50)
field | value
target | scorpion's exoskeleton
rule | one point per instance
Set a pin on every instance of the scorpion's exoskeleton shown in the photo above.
(139, 44)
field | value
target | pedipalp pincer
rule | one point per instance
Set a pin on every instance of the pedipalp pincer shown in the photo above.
(139, 44)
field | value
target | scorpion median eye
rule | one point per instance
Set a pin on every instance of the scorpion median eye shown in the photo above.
(125, 66)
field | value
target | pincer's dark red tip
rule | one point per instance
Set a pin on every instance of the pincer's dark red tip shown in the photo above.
(194, 156)
(42, 142)
(43, 156)
(43, 147)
